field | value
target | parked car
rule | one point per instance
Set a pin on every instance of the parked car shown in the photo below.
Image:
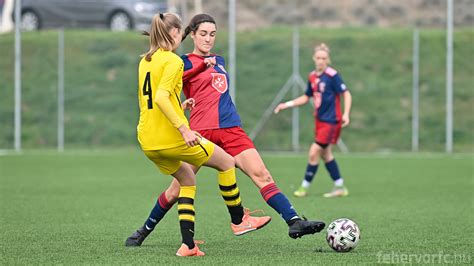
(117, 15)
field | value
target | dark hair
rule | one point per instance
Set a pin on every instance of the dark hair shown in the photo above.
(195, 22)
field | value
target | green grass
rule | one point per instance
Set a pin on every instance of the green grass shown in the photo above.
(101, 87)
(78, 208)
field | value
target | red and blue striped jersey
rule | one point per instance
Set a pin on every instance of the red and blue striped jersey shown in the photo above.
(209, 87)
(325, 90)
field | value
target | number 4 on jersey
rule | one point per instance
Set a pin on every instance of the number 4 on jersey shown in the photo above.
(147, 90)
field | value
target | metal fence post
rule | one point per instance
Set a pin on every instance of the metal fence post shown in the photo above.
(449, 79)
(415, 98)
(17, 115)
(232, 51)
(61, 90)
(296, 72)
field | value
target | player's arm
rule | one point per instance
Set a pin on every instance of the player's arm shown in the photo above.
(302, 100)
(191, 70)
(162, 100)
(347, 108)
(340, 87)
(188, 104)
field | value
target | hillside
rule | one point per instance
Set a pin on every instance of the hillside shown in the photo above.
(101, 104)
(253, 14)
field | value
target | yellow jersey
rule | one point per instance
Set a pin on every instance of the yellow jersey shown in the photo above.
(164, 72)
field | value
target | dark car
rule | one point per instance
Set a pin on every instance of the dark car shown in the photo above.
(118, 15)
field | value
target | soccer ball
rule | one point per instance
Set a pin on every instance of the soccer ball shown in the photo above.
(343, 235)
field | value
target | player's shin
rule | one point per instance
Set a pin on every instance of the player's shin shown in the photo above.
(186, 214)
(231, 194)
(159, 211)
(333, 170)
(279, 202)
(311, 171)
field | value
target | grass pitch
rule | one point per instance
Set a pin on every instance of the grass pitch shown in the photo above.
(79, 207)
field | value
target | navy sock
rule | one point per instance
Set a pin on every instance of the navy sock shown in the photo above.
(161, 208)
(311, 171)
(333, 170)
(278, 201)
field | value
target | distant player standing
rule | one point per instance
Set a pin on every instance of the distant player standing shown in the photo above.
(325, 85)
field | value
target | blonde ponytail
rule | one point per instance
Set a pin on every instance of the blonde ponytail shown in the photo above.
(160, 36)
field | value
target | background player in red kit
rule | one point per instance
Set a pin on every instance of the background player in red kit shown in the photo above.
(214, 116)
(325, 85)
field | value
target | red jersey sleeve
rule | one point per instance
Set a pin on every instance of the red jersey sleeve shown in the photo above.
(190, 69)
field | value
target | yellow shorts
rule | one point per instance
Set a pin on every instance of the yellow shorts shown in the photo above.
(169, 160)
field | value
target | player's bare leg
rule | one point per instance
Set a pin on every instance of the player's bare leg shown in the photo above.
(250, 162)
(314, 153)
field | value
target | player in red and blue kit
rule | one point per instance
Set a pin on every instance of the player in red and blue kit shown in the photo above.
(214, 116)
(325, 86)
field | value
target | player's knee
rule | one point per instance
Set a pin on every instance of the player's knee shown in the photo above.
(262, 176)
(327, 156)
(313, 157)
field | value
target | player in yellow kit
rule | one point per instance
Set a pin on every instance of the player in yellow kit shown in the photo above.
(165, 137)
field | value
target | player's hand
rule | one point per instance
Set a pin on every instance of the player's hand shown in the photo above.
(281, 106)
(192, 138)
(210, 61)
(189, 104)
(345, 120)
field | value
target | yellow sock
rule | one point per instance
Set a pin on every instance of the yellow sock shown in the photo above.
(228, 187)
(186, 203)
(186, 214)
(231, 194)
